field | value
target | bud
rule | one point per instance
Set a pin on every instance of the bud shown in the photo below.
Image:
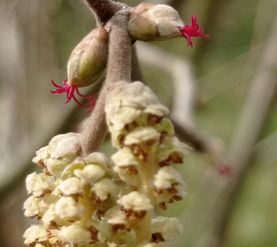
(85, 66)
(154, 22)
(151, 22)
(88, 59)
(126, 166)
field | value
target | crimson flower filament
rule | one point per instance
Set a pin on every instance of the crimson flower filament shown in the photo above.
(71, 91)
(193, 30)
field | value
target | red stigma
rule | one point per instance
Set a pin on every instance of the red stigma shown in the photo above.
(225, 170)
(193, 30)
(71, 91)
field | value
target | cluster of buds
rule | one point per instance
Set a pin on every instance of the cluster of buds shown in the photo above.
(148, 22)
(96, 201)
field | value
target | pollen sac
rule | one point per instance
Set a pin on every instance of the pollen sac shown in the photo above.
(115, 226)
(127, 166)
(39, 184)
(37, 206)
(104, 189)
(64, 147)
(135, 206)
(172, 151)
(154, 22)
(68, 208)
(71, 186)
(87, 61)
(165, 229)
(35, 234)
(74, 234)
(169, 186)
(136, 202)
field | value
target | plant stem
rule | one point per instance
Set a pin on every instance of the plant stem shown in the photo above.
(104, 10)
(118, 69)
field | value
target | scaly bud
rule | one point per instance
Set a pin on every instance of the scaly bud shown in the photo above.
(154, 22)
(85, 66)
(151, 22)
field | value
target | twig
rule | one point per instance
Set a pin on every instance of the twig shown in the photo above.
(118, 68)
(104, 10)
(200, 142)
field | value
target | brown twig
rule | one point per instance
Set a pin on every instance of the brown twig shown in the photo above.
(193, 137)
(104, 10)
(118, 68)
(250, 126)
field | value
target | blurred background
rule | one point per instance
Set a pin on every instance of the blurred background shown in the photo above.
(220, 85)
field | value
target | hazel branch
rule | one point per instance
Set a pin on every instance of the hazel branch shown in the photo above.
(118, 68)
(104, 10)
(119, 61)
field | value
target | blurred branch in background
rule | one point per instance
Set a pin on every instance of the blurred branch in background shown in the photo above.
(219, 193)
(24, 45)
(183, 103)
(28, 58)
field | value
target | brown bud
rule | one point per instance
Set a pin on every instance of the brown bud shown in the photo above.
(154, 22)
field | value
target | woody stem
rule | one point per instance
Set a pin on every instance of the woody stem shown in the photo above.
(118, 69)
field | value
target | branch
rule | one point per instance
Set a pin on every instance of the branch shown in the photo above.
(16, 179)
(251, 124)
(200, 142)
(118, 68)
(104, 10)
(223, 190)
